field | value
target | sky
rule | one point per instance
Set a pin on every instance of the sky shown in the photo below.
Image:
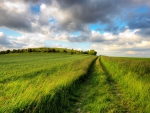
(111, 27)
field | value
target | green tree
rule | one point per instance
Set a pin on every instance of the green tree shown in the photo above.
(29, 50)
(8, 51)
(92, 52)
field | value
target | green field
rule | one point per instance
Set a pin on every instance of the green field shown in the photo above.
(28, 81)
(78, 83)
(133, 78)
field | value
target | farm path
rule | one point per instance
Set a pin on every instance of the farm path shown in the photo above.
(115, 89)
(98, 94)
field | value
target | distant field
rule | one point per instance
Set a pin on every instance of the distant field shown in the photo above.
(29, 80)
(136, 58)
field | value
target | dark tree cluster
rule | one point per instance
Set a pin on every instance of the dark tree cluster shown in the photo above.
(13, 51)
(49, 50)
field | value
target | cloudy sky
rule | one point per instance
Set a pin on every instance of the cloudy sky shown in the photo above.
(111, 27)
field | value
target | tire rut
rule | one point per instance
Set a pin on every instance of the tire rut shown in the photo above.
(93, 93)
(116, 91)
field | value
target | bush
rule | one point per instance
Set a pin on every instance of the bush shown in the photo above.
(92, 52)
(29, 50)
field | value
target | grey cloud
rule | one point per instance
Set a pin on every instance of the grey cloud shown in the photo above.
(113, 29)
(103, 40)
(144, 32)
(88, 11)
(141, 49)
(3, 39)
(83, 37)
(99, 38)
(83, 12)
(9, 43)
(139, 23)
(77, 39)
(43, 20)
(89, 37)
(136, 49)
(14, 20)
(73, 26)
(16, 45)
(69, 3)
(32, 1)
(138, 18)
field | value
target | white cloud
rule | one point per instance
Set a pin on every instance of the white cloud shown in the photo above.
(143, 44)
(127, 44)
(12, 6)
(58, 21)
(3, 39)
(130, 52)
(62, 37)
(96, 36)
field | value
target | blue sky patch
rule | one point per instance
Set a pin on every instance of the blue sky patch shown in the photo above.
(98, 27)
(52, 19)
(119, 23)
(10, 32)
(142, 9)
(76, 33)
(35, 8)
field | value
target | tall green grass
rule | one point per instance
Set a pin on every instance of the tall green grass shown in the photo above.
(96, 93)
(37, 82)
(133, 77)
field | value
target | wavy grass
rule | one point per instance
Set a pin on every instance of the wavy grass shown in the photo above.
(32, 82)
(96, 94)
(133, 76)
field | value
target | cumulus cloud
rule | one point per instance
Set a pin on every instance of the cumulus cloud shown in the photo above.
(17, 15)
(27, 40)
(3, 39)
(127, 44)
(71, 15)
(59, 19)
(106, 37)
(13, 15)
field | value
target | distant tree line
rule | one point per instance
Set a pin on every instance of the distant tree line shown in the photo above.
(49, 50)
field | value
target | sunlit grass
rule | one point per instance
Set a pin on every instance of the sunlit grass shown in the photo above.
(96, 94)
(27, 79)
(132, 75)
